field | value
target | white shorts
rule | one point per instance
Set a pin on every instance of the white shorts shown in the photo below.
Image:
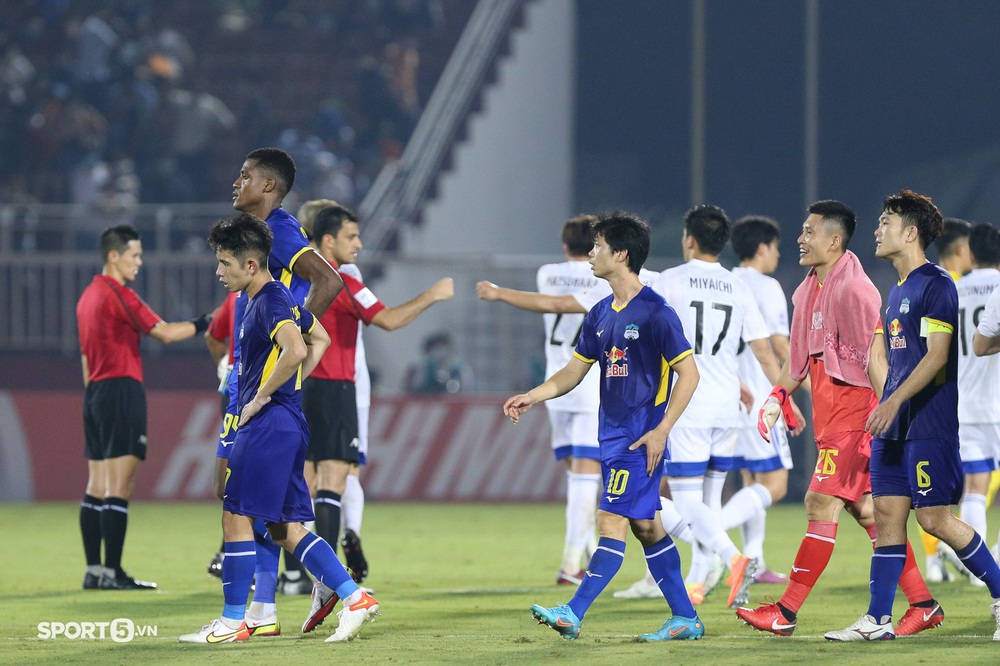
(574, 434)
(758, 455)
(363, 435)
(693, 450)
(979, 446)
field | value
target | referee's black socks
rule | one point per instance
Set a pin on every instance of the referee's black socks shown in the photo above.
(90, 529)
(328, 517)
(114, 522)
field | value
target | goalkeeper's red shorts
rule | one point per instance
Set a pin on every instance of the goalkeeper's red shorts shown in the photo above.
(842, 465)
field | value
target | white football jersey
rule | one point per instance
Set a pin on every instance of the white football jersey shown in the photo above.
(774, 308)
(362, 380)
(978, 377)
(563, 330)
(716, 309)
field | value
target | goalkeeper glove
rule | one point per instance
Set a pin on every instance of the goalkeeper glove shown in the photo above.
(777, 402)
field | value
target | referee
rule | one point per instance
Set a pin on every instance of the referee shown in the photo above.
(111, 318)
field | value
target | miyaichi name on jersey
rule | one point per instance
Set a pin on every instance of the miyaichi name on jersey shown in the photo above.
(710, 283)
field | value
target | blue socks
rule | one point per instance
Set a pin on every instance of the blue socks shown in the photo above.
(887, 567)
(237, 572)
(978, 560)
(318, 557)
(664, 563)
(604, 564)
(266, 573)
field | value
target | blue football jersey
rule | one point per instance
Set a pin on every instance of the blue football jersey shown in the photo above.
(272, 307)
(289, 243)
(925, 301)
(634, 348)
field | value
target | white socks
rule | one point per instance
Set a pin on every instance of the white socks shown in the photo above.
(706, 523)
(714, 484)
(973, 511)
(753, 537)
(744, 505)
(352, 504)
(673, 522)
(581, 518)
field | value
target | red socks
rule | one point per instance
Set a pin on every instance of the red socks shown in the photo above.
(812, 558)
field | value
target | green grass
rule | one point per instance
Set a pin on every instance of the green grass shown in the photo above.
(455, 583)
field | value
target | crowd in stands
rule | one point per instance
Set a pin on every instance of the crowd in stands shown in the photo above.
(116, 103)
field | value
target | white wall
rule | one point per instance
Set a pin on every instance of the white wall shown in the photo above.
(509, 189)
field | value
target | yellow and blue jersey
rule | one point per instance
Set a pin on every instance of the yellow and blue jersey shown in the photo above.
(925, 302)
(272, 307)
(289, 243)
(634, 347)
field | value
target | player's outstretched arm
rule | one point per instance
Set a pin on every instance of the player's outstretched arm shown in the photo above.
(934, 360)
(685, 384)
(396, 317)
(561, 383)
(179, 330)
(324, 282)
(529, 300)
(293, 353)
(317, 341)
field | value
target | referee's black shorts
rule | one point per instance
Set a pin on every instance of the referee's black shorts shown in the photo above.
(114, 419)
(331, 410)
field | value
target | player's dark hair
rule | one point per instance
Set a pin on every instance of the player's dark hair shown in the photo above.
(278, 164)
(244, 236)
(916, 210)
(838, 213)
(750, 231)
(984, 243)
(625, 231)
(330, 219)
(117, 238)
(953, 230)
(578, 235)
(710, 227)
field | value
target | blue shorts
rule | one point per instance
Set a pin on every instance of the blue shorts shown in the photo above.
(628, 491)
(265, 470)
(928, 471)
(227, 435)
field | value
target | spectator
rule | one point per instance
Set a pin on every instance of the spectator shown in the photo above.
(440, 370)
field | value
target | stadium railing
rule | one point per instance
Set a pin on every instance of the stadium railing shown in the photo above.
(400, 188)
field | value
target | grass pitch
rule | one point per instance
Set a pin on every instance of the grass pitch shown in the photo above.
(455, 583)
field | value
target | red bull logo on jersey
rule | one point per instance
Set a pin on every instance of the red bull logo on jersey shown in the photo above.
(896, 338)
(617, 365)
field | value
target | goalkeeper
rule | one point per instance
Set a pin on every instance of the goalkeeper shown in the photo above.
(836, 308)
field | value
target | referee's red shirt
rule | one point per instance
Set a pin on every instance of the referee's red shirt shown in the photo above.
(354, 303)
(221, 326)
(111, 319)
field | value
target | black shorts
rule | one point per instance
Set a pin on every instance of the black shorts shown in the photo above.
(114, 419)
(331, 410)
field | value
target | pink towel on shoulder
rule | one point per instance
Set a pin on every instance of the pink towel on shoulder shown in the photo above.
(836, 324)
